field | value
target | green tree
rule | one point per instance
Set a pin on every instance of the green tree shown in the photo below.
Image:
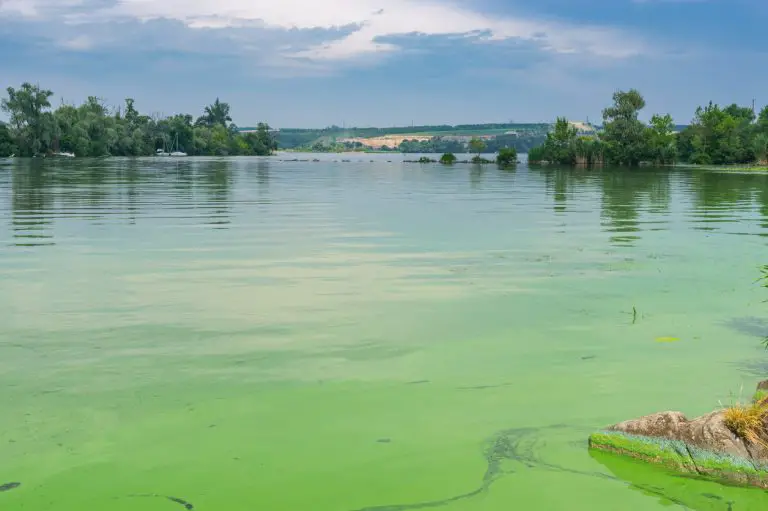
(95, 129)
(215, 114)
(507, 157)
(448, 159)
(719, 136)
(32, 123)
(7, 144)
(624, 134)
(760, 147)
(661, 140)
(477, 145)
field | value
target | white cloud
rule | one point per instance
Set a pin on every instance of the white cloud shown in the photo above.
(374, 20)
(37, 8)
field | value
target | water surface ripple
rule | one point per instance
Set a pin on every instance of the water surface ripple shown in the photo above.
(260, 333)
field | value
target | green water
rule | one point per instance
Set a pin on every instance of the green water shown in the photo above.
(254, 334)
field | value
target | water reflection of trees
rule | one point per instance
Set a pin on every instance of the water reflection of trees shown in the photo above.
(629, 199)
(721, 198)
(624, 196)
(32, 203)
(112, 190)
(217, 181)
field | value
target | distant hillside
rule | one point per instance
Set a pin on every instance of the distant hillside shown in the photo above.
(428, 138)
(295, 138)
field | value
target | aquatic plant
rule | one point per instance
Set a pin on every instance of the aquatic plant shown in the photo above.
(448, 159)
(507, 157)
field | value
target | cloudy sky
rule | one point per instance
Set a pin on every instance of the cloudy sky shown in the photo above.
(312, 63)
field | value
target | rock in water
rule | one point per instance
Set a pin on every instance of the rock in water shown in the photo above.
(703, 446)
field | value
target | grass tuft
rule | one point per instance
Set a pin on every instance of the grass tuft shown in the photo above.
(748, 421)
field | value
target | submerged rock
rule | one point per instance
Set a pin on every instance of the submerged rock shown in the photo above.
(702, 446)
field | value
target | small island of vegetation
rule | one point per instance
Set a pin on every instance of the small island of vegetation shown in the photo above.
(94, 129)
(716, 136)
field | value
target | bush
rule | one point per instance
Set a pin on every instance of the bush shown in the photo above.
(507, 157)
(536, 154)
(480, 160)
(424, 159)
(448, 159)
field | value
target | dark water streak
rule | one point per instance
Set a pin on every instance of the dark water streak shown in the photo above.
(9, 486)
(519, 445)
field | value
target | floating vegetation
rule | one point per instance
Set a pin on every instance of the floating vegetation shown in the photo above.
(511, 451)
(187, 505)
(667, 339)
(9, 486)
(486, 387)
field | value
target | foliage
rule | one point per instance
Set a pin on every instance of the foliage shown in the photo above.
(560, 145)
(31, 121)
(624, 134)
(719, 136)
(425, 159)
(216, 114)
(537, 154)
(507, 157)
(7, 144)
(660, 140)
(94, 129)
(730, 135)
(477, 145)
(448, 159)
(480, 160)
(760, 147)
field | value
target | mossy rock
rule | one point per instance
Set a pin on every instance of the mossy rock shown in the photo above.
(681, 457)
(704, 446)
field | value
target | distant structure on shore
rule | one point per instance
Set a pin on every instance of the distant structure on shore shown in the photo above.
(584, 129)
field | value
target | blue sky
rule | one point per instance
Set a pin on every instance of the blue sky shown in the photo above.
(302, 63)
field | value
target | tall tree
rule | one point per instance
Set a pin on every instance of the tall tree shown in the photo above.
(661, 140)
(624, 134)
(31, 120)
(719, 136)
(7, 144)
(215, 114)
(477, 145)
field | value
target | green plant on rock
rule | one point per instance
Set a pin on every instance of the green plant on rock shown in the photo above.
(479, 160)
(507, 157)
(746, 421)
(448, 159)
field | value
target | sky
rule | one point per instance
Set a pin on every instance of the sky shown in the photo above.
(315, 63)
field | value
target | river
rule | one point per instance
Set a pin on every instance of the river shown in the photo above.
(261, 334)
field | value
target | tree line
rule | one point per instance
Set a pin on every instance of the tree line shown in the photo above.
(716, 136)
(94, 129)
